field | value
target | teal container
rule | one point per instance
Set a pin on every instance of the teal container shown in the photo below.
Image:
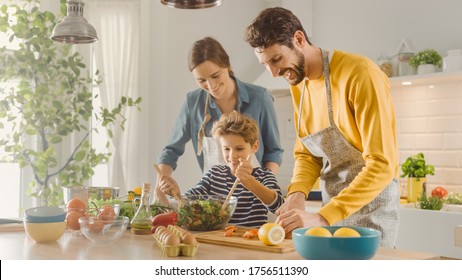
(337, 248)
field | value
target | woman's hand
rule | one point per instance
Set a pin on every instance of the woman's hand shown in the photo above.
(167, 185)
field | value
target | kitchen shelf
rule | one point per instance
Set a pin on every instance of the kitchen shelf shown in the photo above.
(397, 82)
(426, 79)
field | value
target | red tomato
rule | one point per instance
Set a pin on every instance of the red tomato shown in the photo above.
(164, 219)
(439, 191)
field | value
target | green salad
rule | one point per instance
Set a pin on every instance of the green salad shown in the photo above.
(202, 215)
(126, 208)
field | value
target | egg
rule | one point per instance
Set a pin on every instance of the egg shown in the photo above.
(160, 229)
(172, 240)
(188, 239)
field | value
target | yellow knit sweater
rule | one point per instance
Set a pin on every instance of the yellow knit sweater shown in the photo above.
(363, 111)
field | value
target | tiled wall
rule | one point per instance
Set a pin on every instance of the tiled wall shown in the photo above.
(429, 120)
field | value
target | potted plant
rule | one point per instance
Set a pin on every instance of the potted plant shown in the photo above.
(416, 169)
(425, 61)
(48, 101)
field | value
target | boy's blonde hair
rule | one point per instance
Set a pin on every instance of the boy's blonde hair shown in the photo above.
(237, 124)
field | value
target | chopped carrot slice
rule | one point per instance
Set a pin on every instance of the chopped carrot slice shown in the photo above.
(228, 233)
(234, 228)
(250, 233)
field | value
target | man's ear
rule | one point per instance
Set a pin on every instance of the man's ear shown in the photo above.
(299, 39)
(255, 146)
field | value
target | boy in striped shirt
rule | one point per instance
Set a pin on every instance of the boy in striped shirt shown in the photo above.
(257, 192)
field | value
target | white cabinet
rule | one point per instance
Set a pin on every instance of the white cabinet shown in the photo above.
(429, 231)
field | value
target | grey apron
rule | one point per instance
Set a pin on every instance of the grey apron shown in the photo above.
(341, 164)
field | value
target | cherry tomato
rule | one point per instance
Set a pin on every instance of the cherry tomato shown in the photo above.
(439, 191)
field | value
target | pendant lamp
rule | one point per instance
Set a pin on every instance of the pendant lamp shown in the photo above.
(191, 4)
(74, 29)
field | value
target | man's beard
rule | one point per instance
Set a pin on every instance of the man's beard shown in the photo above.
(299, 70)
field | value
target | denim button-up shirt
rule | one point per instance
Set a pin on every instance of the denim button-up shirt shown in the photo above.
(254, 101)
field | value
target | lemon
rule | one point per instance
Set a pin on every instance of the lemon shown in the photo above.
(271, 234)
(346, 232)
(318, 231)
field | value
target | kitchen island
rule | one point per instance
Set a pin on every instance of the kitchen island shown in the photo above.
(18, 246)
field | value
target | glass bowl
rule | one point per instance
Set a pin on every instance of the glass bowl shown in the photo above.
(337, 248)
(103, 231)
(202, 212)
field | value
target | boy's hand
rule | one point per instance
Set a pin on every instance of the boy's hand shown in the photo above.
(244, 170)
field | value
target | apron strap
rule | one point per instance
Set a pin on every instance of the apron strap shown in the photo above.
(325, 62)
(326, 72)
(201, 133)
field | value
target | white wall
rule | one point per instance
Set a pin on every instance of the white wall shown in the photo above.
(368, 27)
(173, 31)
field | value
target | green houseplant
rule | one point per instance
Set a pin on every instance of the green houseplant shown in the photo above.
(426, 57)
(416, 169)
(46, 99)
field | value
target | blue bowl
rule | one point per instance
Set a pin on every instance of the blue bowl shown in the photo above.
(337, 248)
(45, 214)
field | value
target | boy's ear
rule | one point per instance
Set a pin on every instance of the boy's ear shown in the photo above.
(255, 146)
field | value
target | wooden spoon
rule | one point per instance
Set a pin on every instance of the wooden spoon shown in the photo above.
(157, 168)
(231, 191)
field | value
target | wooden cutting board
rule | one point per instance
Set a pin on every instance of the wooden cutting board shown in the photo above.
(216, 237)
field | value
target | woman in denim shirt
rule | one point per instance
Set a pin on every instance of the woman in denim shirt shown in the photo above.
(219, 92)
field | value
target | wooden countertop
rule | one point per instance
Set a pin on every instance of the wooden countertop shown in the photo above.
(18, 246)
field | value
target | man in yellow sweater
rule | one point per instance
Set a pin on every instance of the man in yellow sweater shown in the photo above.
(346, 127)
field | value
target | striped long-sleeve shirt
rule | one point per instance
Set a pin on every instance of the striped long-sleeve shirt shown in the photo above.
(250, 211)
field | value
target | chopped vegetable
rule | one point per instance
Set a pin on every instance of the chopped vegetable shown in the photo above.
(203, 215)
(250, 234)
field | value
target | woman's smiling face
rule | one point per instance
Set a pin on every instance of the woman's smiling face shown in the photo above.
(212, 78)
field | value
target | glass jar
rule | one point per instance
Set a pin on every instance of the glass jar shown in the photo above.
(141, 221)
(404, 69)
(384, 62)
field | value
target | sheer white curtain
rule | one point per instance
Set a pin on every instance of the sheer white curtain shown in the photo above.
(117, 59)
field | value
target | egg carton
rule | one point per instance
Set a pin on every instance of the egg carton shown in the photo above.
(177, 250)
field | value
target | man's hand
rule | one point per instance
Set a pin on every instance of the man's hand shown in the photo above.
(292, 214)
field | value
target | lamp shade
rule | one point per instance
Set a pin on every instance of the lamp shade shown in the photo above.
(74, 29)
(191, 4)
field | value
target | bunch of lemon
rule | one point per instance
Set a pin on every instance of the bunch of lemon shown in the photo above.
(340, 232)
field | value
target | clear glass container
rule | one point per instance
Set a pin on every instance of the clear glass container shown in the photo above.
(141, 221)
(404, 69)
(384, 62)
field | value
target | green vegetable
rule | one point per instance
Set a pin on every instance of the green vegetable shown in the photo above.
(429, 203)
(126, 208)
(203, 215)
(453, 198)
(415, 167)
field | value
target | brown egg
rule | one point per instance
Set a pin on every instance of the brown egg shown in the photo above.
(172, 240)
(189, 239)
(164, 234)
(160, 229)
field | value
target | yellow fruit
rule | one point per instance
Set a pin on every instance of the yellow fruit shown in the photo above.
(346, 232)
(318, 231)
(271, 234)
